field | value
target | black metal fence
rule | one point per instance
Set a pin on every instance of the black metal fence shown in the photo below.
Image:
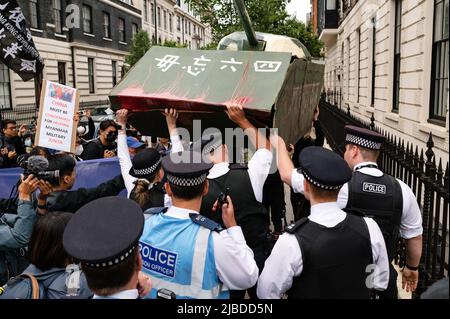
(418, 170)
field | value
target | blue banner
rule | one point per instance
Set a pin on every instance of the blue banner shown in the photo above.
(89, 174)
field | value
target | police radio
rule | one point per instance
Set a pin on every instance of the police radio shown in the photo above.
(165, 294)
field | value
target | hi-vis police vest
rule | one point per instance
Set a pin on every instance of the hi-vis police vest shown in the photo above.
(178, 255)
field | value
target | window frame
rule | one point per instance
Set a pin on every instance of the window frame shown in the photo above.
(91, 75)
(90, 31)
(62, 67)
(107, 27)
(438, 45)
(57, 14)
(397, 56)
(34, 14)
(5, 69)
(122, 32)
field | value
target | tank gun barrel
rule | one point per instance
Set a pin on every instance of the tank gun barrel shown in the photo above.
(245, 18)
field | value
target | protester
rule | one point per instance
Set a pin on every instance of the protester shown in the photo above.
(15, 231)
(11, 144)
(104, 146)
(50, 264)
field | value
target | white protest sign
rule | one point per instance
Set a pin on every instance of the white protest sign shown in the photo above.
(56, 127)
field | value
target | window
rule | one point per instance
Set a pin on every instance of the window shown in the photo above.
(121, 30)
(57, 15)
(152, 13)
(170, 23)
(87, 19)
(159, 17)
(185, 26)
(397, 44)
(190, 27)
(145, 11)
(34, 16)
(134, 29)
(195, 29)
(331, 4)
(106, 25)
(114, 73)
(358, 67)
(440, 65)
(165, 20)
(62, 73)
(5, 87)
(178, 23)
(348, 68)
(91, 75)
(374, 42)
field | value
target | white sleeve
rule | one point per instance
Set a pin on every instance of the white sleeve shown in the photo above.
(378, 276)
(125, 162)
(342, 199)
(284, 263)
(177, 146)
(297, 182)
(411, 221)
(235, 263)
(258, 169)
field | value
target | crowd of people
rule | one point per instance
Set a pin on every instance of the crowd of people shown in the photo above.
(195, 225)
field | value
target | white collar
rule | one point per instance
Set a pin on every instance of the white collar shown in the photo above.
(368, 170)
(218, 170)
(178, 212)
(364, 164)
(125, 294)
(327, 214)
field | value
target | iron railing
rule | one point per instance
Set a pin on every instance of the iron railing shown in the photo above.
(415, 167)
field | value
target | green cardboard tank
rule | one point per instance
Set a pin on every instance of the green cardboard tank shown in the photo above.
(273, 76)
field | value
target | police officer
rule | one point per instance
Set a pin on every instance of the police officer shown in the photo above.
(245, 184)
(388, 200)
(329, 254)
(187, 253)
(104, 236)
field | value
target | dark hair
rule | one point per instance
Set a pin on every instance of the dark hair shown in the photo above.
(62, 162)
(106, 281)
(187, 193)
(107, 123)
(45, 248)
(5, 123)
(39, 150)
(140, 193)
(323, 193)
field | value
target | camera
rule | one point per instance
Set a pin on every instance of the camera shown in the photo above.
(222, 199)
(37, 166)
(165, 294)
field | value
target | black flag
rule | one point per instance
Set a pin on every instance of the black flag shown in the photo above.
(17, 49)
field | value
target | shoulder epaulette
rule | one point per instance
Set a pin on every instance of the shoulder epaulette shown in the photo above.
(206, 222)
(238, 166)
(293, 227)
(355, 212)
(155, 210)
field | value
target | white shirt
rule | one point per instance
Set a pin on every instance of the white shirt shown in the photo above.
(126, 294)
(235, 263)
(411, 220)
(258, 169)
(285, 262)
(125, 162)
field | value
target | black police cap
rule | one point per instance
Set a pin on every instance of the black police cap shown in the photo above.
(104, 232)
(208, 143)
(145, 163)
(186, 168)
(363, 137)
(324, 168)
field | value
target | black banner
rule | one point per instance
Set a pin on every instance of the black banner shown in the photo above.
(17, 49)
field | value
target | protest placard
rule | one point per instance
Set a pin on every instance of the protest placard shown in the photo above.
(56, 128)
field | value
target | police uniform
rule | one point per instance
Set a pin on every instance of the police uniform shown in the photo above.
(189, 254)
(245, 184)
(105, 233)
(142, 166)
(329, 254)
(389, 201)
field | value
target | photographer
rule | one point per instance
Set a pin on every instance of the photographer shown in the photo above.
(15, 231)
(104, 146)
(11, 144)
(60, 198)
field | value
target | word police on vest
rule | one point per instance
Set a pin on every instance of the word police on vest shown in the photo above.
(374, 188)
(158, 260)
